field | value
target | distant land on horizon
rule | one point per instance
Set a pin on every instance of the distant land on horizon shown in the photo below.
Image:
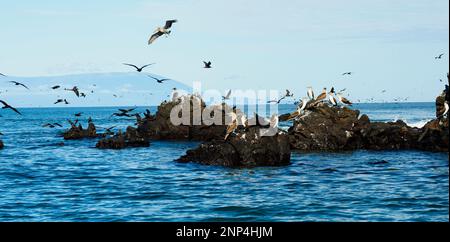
(131, 89)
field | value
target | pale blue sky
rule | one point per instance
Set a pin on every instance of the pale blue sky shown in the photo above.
(258, 44)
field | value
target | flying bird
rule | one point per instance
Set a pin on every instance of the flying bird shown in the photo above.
(19, 84)
(78, 114)
(55, 87)
(61, 101)
(277, 101)
(6, 106)
(227, 97)
(49, 125)
(347, 73)
(159, 80)
(75, 90)
(208, 65)
(288, 93)
(160, 31)
(138, 69)
(1, 74)
(439, 56)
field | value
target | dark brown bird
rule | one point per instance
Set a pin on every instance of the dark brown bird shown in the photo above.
(439, 56)
(49, 125)
(55, 87)
(159, 80)
(78, 114)
(75, 90)
(347, 74)
(19, 84)
(61, 101)
(6, 106)
(208, 65)
(1, 74)
(138, 69)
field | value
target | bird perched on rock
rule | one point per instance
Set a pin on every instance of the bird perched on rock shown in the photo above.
(300, 109)
(322, 96)
(344, 100)
(160, 31)
(233, 126)
(7, 106)
(310, 93)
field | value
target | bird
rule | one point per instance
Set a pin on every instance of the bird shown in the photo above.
(299, 110)
(227, 97)
(322, 96)
(439, 56)
(446, 107)
(208, 65)
(233, 126)
(310, 93)
(138, 69)
(159, 80)
(273, 123)
(384, 91)
(160, 31)
(49, 125)
(332, 99)
(288, 93)
(126, 110)
(344, 100)
(277, 101)
(78, 114)
(1, 74)
(75, 90)
(347, 73)
(19, 84)
(6, 106)
(83, 94)
(61, 101)
(56, 87)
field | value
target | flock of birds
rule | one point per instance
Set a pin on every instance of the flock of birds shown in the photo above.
(332, 97)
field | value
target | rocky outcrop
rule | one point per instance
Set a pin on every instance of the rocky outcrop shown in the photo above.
(247, 148)
(161, 127)
(130, 139)
(77, 132)
(325, 128)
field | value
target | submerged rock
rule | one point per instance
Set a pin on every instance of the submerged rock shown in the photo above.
(247, 148)
(77, 132)
(130, 139)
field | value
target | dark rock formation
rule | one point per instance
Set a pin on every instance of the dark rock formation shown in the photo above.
(130, 139)
(325, 128)
(160, 126)
(77, 132)
(245, 149)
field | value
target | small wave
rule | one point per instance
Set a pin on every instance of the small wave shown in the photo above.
(416, 124)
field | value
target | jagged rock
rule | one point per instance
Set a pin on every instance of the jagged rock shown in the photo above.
(160, 127)
(75, 132)
(245, 149)
(130, 139)
(324, 128)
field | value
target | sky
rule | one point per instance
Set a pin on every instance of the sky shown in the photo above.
(253, 44)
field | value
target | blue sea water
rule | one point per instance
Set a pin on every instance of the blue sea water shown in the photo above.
(42, 180)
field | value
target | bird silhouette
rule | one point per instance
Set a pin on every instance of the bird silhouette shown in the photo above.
(138, 69)
(160, 31)
(208, 65)
(19, 84)
(74, 90)
(159, 80)
(439, 56)
(55, 87)
(7, 106)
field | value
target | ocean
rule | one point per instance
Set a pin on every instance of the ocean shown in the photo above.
(43, 180)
